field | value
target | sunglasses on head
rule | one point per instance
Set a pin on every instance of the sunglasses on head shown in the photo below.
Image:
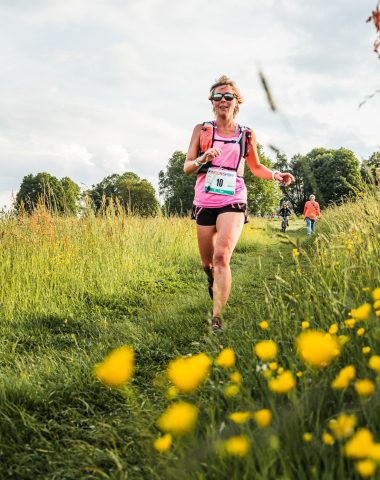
(218, 96)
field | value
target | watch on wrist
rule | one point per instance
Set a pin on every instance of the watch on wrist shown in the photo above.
(197, 162)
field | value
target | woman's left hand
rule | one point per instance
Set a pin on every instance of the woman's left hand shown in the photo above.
(285, 178)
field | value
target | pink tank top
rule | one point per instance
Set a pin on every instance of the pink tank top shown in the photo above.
(229, 158)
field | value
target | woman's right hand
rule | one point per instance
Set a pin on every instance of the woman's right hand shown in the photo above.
(210, 154)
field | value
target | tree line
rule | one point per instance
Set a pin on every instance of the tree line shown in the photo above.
(331, 175)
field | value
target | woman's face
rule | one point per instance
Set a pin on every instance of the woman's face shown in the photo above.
(223, 107)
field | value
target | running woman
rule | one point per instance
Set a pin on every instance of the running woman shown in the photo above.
(217, 154)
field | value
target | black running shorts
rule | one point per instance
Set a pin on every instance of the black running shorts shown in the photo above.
(208, 216)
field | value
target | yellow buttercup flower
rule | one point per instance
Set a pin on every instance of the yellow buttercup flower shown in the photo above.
(366, 350)
(299, 374)
(327, 439)
(360, 332)
(264, 325)
(333, 328)
(283, 383)
(317, 349)
(162, 444)
(188, 373)
(366, 289)
(296, 252)
(240, 417)
(365, 387)
(266, 350)
(263, 417)
(226, 358)
(236, 378)
(365, 468)
(273, 366)
(362, 312)
(359, 445)
(377, 313)
(350, 323)
(376, 294)
(308, 437)
(178, 419)
(280, 370)
(237, 446)
(374, 363)
(343, 425)
(344, 377)
(171, 392)
(374, 452)
(117, 368)
(376, 304)
(231, 391)
(305, 325)
(343, 339)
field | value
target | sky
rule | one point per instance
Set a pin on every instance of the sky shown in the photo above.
(89, 88)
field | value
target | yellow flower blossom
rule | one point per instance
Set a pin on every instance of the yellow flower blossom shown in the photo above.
(362, 312)
(188, 373)
(366, 350)
(376, 294)
(344, 377)
(178, 419)
(263, 417)
(343, 425)
(377, 313)
(231, 391)
(162, 444)
(171, 392)
(305, 325)
(226, 358)
(350, 323)
(366, 289)
(296, 252)
(365, 387)
(264, 325)
(360, 332)
(333, 328)
(359, 445)
(280, 370)
(317, 349)
(266, 350)
(283, 383)
(272, 366)
(374, 363)
(237, 446)
(236, 378)
(376, 304)
(299, 374)
(327, 439)
(117, 368)
(240, 417)
(307, 437)
(343, 339)
(365, 468)
(374, 452)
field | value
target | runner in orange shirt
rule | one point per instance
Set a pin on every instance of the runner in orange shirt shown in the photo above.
(311, 213)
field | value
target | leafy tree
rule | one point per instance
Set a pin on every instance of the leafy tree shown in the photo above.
(176, 188)
(57, 195)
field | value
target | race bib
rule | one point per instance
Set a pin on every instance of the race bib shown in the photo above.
(222, 182)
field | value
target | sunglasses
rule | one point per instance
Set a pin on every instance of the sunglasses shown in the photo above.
(218, 96)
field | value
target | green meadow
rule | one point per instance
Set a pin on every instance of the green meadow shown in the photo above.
(74, 289)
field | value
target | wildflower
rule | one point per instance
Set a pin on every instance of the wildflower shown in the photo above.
(280, 370)
(343, 339)
(374, 452)
(365, 387)
(267, 374)
(343, 425)
(333, 329)
(226, 358)
(283, 383)
(263, 417)
(162, 444)
(266, 350)
(299, 374)
(365, 468)
(307, 437)
(362, 312)
(236, 378)
(377, 313)
(350, 323)
(264, 325)
(360, 332)
(231, 391)
(240, 417)
(376, 294)
(366, 289)
(359, 445)
(366, 350)
(179, 418)
(374, 363)
(273, 366)
(305, 325)
(317, 349)
(296, 252)
(343, 378)
(117, 368)
(327, 439)
(188, 373)
(171, 392)
(376, 304)
(237, 446)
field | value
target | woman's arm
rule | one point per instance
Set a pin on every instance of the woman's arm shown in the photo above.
(260, 170)
(193, 162)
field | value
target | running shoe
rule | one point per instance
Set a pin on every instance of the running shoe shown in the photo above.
(216, 324)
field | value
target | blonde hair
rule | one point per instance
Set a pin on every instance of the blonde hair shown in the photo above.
(224, 80)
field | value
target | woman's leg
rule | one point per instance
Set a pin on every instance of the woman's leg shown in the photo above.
(308, 225)
(228, 226)
(206, 243)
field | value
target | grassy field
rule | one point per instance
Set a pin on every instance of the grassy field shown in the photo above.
(72, 290)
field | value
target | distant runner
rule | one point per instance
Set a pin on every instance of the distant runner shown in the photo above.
(217, 154)
(311, 213)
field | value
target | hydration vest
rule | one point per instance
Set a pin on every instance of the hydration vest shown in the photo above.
(207, 139)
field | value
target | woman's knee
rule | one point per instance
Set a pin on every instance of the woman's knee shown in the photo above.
(221, 257)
